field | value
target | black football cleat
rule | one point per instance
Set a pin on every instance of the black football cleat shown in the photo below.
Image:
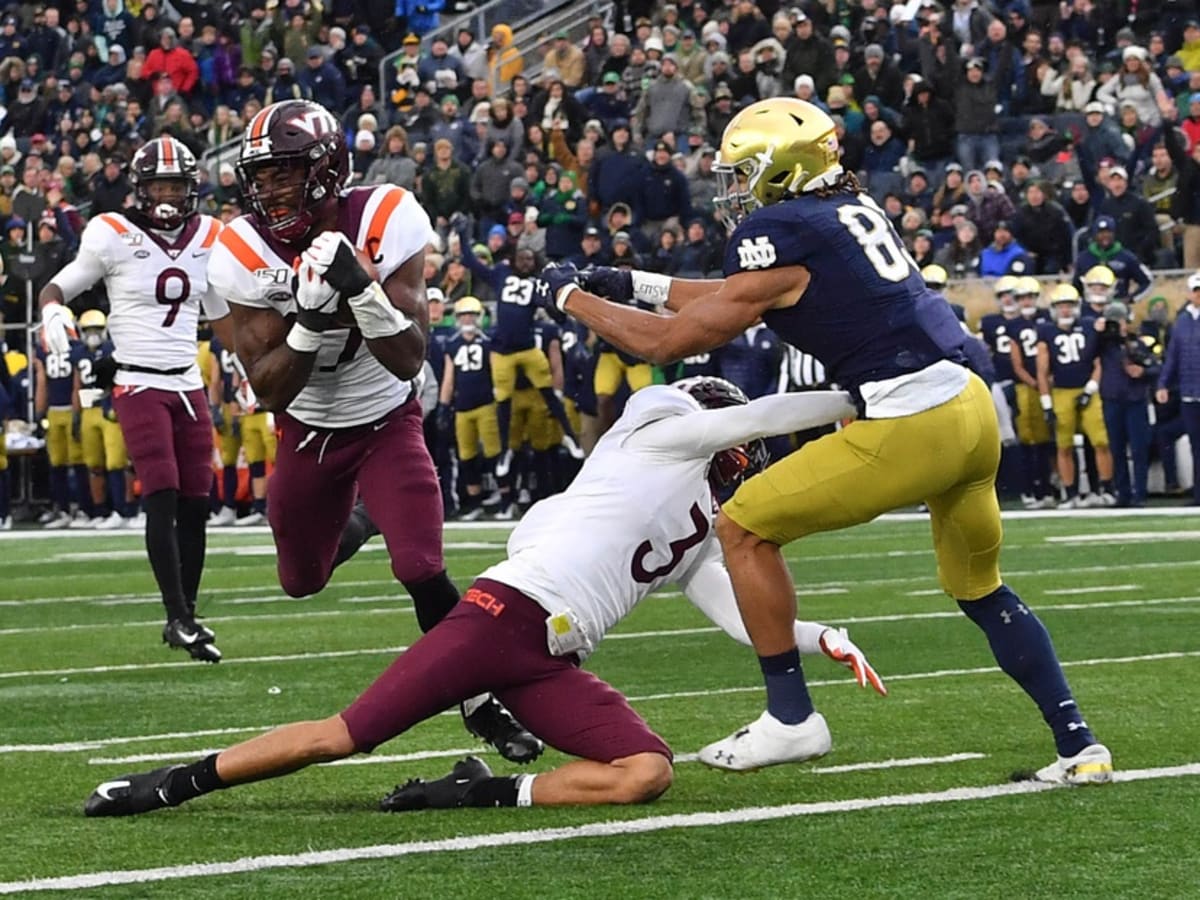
(195, 639)
(445, 793)
(130, 795)
(495, 725)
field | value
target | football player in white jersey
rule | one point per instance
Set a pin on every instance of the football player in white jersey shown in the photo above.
(639, 515)
(152, 259)
(328, 296)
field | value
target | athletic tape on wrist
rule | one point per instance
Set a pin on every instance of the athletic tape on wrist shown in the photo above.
(1091, 387)
(376, 316)
(650, 287)
(560, 299)
(303, 340)
(1047, 402)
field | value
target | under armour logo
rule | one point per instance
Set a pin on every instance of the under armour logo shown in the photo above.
(722, 755)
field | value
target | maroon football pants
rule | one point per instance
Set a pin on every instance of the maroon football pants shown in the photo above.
(320, 472)
(169, 438)
(495, 640)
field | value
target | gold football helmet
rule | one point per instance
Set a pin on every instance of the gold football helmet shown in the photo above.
(1005, 284)
(1028, 286)
(468, 306)
(935, 277)
(773, 150)
(1099, 284)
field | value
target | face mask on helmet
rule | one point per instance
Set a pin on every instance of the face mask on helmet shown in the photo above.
(728, 468)
(93, 337)
(1008, 304)
(166, 183)
(1065, 314)
(1098, 294)
(1028, 306)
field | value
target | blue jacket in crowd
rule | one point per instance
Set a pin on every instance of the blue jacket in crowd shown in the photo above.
(1181, 370)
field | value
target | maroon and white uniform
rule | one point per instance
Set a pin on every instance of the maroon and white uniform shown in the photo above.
(354, 427)
(156, 282)
(637, 516)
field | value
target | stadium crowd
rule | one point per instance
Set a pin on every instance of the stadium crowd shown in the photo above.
(1025, 138)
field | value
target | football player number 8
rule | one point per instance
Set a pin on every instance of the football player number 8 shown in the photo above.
(880, 243)
(172, 289)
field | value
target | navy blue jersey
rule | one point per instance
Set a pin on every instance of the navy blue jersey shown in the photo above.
(1070, 356)
(1025, 333)
(472, 371)
(866, 314)
(696, 366)
(84, 361)
(997, 331)
(751, 361)
(545, 333)
(513, 329)
(435, 349)
(579, 367)
(227, 363)
(60, 375)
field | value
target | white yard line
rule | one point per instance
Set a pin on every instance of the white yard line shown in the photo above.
(207, 592)
(212, 620)
(97, 743)
(644, 825)
(1101, 589)
(1123, 537)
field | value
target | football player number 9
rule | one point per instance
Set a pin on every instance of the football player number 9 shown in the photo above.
(172, 289)
(879, 241)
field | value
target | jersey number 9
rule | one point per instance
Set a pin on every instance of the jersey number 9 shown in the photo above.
(172, 289)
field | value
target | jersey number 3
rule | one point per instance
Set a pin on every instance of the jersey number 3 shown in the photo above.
(678, 548)
(882, 246)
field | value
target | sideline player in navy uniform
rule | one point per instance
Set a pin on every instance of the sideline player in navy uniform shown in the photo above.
(1068, 374)
(1033, 432)
(817, 260)
(54, 382)
(103, 446)
(513, 347)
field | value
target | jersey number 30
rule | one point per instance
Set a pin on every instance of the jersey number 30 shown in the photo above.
(870, 227)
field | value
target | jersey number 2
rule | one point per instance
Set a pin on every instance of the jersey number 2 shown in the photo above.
(882, 246)
(172, 289)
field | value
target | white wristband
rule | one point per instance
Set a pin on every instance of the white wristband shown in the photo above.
(560, 299)
(1091, 387)
(303, 340)
(650, 287)
(375, 315)
(1047, 402)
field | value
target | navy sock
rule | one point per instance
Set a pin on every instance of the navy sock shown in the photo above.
(5, 487)
(504, 421)
(229, 484)
(1022, 647)
(116, 491)
(787, 692)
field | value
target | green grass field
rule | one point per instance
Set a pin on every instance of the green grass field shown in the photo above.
(87, 693)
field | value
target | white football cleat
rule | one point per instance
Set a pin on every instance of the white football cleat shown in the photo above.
(768, 742)
(82, 520)
(1091, 765)
(61, 520)
(5, 523)
(572, 447)
(110, 523)
(504, 463)
(227, 516)
(136, 523)
(255, 518)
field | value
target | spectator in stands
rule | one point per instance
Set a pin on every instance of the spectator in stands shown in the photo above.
(807, 53)
(1138, 84)
(563, 215)
(595, 53)
(1003, 256)
(884, 151)
(579, 162)
(666, 105)
(768, 67)
(446, 186)
(617, 172)
(1187, 198)
(698, 255)
(115, 25)
(532, 236)
(662, 199)
(1104, 249)
(1004, 68)
(691, 56)
(608, 104)
(420, 119)
(975, 117)
(559, 104)
(1159, 186)
(440, 68)
(702, 185)
(747, 26)
(490, 184)
(961, 257)
(1072, 90)
(1042, 227)
(1101, 137)
(394, 165)
(503, 126)
(504, 60)
(321, 81)
(471, 54)
(361, 59)
(567, 59)
(879, 77)
(1042, 146)
(987, 204)
(1181, 374)
(172, 60)
(929, 125)
(1136, 225)
(953, 189)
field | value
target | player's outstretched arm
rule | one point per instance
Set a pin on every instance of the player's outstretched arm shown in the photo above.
(58, 328)
(708, 321)
(708, 431)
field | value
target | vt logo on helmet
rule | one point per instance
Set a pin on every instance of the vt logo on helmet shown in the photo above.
(166, 182)
(773, 150)
(728, 467)
(293, 162)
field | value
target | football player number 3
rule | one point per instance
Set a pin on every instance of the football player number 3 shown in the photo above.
(870, 227)
(172, 289)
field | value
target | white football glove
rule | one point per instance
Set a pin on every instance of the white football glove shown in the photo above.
(836, 644)
(58, 328)
(313, 293)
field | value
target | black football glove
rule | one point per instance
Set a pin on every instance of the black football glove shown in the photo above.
(1051, 418)
(608, 282)
(547, 285)
(218, 416)
(76, 425)
(105, 369)
(332, 256)
(444, 419)
(1083, 400)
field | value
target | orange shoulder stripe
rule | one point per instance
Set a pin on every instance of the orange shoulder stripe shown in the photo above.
(242, 252)
(113, 222)
(379, 221)
(213, 230)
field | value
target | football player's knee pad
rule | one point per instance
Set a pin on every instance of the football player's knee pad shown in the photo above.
(258, 469)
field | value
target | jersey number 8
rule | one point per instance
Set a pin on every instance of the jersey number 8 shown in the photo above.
(870, 227)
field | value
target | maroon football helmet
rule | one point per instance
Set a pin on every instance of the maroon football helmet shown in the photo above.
(728, 467)
(165, 159)
(305, 146)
